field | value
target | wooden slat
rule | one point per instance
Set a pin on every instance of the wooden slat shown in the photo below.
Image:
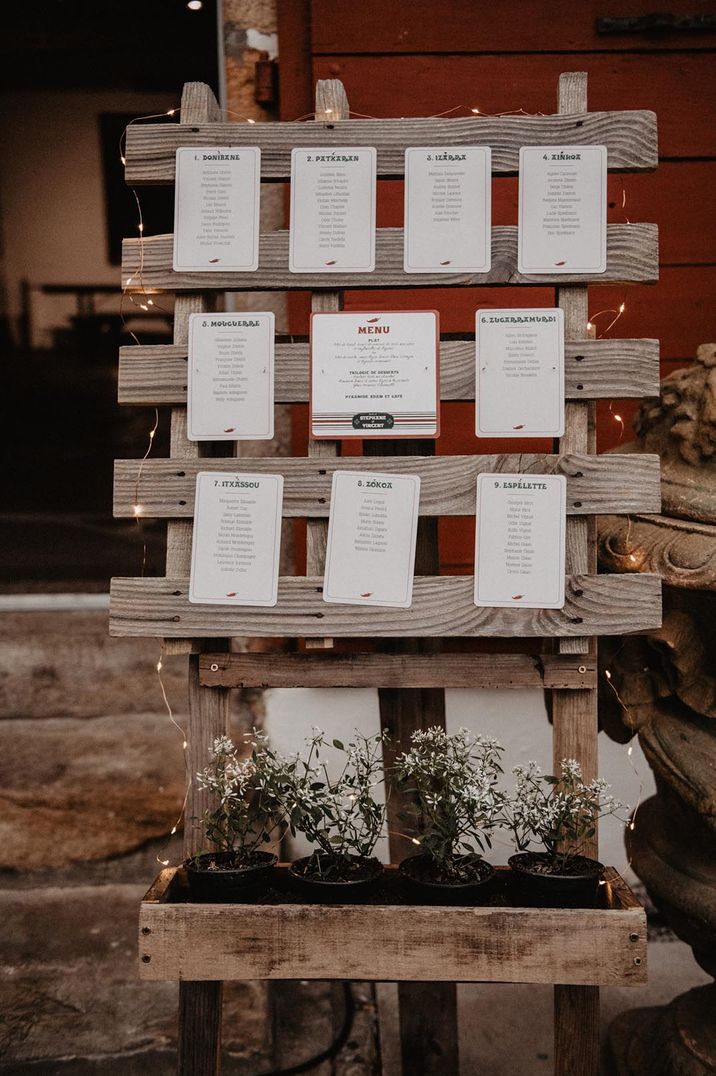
(594, 369)
(442, 606)
(439, 670)
(612, 483)
(630, 138)
(393, 942)
(632, 257)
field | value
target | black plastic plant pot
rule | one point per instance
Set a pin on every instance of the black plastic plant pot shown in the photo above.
(419, 879)
(537, 886)
(364, 878)
(212, 879)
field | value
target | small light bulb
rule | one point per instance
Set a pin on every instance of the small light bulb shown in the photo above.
(151, 434)
(129, 281)
(123, 159)
(150, 302)
(618, 418)
(195, 5)
(185, 745)
(630, 749)
(164, 862)
(171, 112)
(173, 831)
(137, 508)
(250, 121)
(632, 825)
(589, 326)
(476, 111)
(622, 308)
(632, 558)
(159, 665)
(143, 306)
(415, 840)
(607, 674)
(140, 227)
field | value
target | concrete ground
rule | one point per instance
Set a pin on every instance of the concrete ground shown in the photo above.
(91, 779)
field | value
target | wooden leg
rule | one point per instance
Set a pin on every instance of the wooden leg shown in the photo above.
(199, 1052)
(576, 1031)
(428, 1029)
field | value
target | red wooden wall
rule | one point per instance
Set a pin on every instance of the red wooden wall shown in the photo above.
(425, 57)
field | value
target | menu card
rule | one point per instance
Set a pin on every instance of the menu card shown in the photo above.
(519, 382)
(372, 530)
(216, 209)
(448, 200)
(231, 369)
(520, 540)
(374, 374)
(237, 539)
(332, 210)
(563, 209)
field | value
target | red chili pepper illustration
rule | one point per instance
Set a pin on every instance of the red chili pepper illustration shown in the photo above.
(447, 262)
(520, 427)
(231, 594)
(560, 263)
(330, 263)
(230, 429)
(213, 261)
(367, 594)
(516, 597)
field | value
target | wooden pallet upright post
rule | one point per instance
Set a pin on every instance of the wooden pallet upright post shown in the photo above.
(574, 713)
(200, 1003)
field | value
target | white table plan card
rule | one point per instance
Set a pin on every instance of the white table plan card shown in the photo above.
(520, 540)
(231, 377)
(375, 374)
(519, 375)
(372, 530)
(448, 209)
(562, 209)
(236, 539)
(332, 226)
(216, 209)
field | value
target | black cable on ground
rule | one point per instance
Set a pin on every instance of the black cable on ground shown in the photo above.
(335, 1047)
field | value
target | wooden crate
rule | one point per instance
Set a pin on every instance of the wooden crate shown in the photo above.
(392, 940)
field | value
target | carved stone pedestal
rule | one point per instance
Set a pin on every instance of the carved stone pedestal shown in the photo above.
(665, 692)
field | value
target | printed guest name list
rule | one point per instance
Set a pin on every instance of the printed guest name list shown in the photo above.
(448, 209)
(520, 540)
(216, 209)
(237, 539)
(562, 209)
(332, 227)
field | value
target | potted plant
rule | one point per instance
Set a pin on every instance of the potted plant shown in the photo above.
(453, 778)
(247, 812)
(560, 814)
(339, 815)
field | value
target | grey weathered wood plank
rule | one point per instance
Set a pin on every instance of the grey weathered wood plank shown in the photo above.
(594, 370)
(606, 946)
(632, 257)
(612, 483)
(630, 138)
(440, 670)
(442, 606)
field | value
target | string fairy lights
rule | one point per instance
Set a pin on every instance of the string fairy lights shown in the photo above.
(185, 744)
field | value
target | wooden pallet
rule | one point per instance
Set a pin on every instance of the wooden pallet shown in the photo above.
(575, 950)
